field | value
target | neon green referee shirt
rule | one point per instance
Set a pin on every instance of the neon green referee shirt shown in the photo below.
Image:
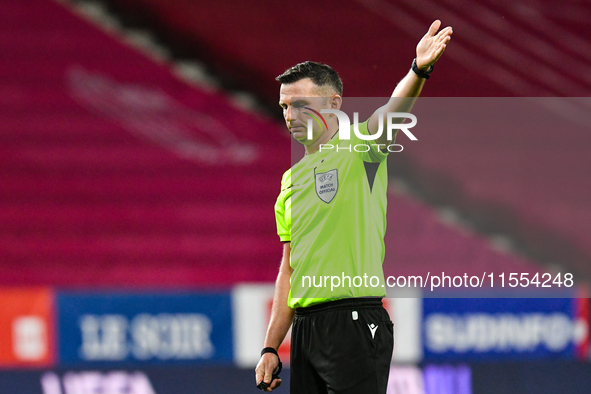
(332, 208)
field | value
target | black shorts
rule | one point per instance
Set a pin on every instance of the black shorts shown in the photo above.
(342, 347)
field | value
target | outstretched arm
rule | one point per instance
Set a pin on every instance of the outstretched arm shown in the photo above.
(281, 319)
(429, 50)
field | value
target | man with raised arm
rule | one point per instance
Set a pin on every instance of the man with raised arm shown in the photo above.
(331, 218)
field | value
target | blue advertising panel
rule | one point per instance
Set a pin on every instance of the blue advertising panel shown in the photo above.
(132, 328)
(447, 379)
(194, 379)
(459, 329)
(539, 377)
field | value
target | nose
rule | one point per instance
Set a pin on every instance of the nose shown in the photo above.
(288, 114)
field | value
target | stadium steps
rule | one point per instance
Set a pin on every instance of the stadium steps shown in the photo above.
(418, 242)
(534, 192)
(85, 201)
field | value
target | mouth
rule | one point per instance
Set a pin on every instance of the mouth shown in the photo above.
(294, 127)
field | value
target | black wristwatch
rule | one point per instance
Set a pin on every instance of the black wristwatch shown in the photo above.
(419, 72)
(263, 386)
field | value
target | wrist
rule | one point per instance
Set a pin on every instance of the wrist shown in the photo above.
(422, 71)
(420, 65)
(269, 349)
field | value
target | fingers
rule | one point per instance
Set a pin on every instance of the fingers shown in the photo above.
(444, 34)
(274, 384)
(264, 371)
(443, 41)
(268, 375)
(440, 47)
(259, 374)
(433, 28)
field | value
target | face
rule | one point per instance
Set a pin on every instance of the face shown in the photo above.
(300, 100)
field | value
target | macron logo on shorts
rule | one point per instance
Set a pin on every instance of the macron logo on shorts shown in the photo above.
(373, 328)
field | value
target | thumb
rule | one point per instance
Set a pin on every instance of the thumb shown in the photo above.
(434, 27)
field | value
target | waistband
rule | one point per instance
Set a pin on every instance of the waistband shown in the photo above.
(345, 303)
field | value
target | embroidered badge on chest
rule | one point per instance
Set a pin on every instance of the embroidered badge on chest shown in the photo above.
(327, 184)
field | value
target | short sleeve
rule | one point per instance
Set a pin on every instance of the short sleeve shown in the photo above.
(283, 209)
(367, 151)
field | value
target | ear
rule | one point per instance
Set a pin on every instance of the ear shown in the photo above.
(336, 101)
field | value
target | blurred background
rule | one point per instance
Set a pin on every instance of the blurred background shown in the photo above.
(142, 150)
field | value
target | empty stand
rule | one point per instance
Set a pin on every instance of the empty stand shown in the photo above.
(113, 172)
(527, 182)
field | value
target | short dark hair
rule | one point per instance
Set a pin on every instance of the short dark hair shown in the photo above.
(320, 74)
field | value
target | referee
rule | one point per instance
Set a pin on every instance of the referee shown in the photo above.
(331, 218)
